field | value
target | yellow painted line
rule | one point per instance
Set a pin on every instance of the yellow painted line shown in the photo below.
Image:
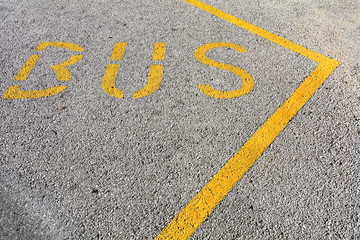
(119, 51)
(184, 225)
(71, 46)
(14, 92)
(155, 75)
(28, 67)
(61, 69)
(109, 79)
(159, 51)
(248, 82)
(112, 71)
(156, 72)
(154, 82)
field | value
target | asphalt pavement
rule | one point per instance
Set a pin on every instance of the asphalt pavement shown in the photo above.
(117, 116)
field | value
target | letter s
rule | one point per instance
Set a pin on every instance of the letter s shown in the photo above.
(247, 79)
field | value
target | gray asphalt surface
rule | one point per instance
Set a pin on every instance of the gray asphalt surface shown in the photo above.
(85, 165)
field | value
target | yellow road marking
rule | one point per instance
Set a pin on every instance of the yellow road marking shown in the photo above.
(247, 80)
(71, 46)
(156, 72)
(159, 51)
(154, 82)
(109, 79)
(184, 225)
(63, 73)
(155, 75)
(28, 67)
(14, 92)
(119, 51)
(112, 71)
(61, 69)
